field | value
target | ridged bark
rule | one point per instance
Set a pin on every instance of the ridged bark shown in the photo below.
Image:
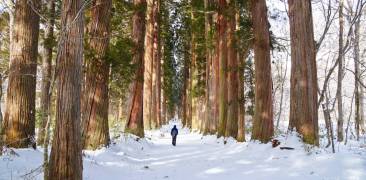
(209, 55)
(135, 123)
(232, 80)
(19, 119)
(95, 113)
(304, 97)
(263, 116)
(156, 76)
(149, 66)
(66, 155)
(222, 57)
(46, 70)
(215, 83)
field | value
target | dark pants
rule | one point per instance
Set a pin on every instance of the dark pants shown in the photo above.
(174, 140)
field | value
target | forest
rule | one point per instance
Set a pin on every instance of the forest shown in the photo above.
(182, 89)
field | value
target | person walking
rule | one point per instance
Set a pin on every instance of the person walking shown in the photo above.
(174, 133)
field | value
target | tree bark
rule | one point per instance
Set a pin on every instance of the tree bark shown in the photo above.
(46, 69)
(340, 74)
(156, 86)
(95, 116)
(303, 98)
(19, 119)
(263, 116)
(215, 81)
(209, 55)
(232, 80)
(222, 56)
(358, 96)
(241, 119)
(135, 124)
(66, 155)
(149, 66)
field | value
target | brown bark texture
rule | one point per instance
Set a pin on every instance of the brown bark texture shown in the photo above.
(135, 123)
(232, 71)
(303, 93)
(66, 154)
(263, 117)
(149, 66)
(95, 113)
(222, 58)
(19, 119)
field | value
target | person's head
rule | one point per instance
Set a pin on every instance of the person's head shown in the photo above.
(175, 126)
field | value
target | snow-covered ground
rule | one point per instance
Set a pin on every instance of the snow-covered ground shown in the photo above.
(201, 157)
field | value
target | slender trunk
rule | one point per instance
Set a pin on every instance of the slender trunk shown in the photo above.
(66, 152)
(135, 123)
(156, 87)
(208, 93)
(340, 74)
(120, 110)
(303, 100)
(263, 116)
(349, 119)
(232, 80)
(282, 95)
(184, 103)
(358, 96)
(19, 119)
(361, 89)
(222, 56)
(163, 109)
(95, 116)
(241, 117)
(46, 69)
(241, 121)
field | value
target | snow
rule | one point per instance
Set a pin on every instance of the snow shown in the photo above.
(201, 157)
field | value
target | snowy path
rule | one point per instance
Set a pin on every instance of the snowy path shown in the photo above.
(198, 157)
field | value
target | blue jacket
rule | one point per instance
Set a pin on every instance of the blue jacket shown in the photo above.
(174, 131)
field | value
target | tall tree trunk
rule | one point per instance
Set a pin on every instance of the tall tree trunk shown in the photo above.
(209, 54)
(222, 56)
(95, 116)
(66, 155)
(304, 97)
(215, 80)
(185, 92)
(241, 119)
(46, 69)
(156, 86)
(263, 116)
(135, 123)
(19, 119)
(358, 60)
(193, 79)
(340, 74)
(149, 66)
(241, 56)
(356, 52)
(232, 81)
